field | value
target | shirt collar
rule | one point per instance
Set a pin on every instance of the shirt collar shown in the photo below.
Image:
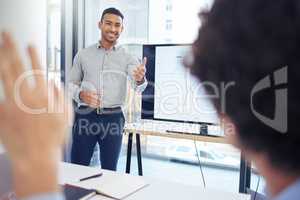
(115, 47)
(292, 192)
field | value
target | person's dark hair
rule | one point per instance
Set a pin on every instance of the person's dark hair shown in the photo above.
(112, 11)
(243, 42)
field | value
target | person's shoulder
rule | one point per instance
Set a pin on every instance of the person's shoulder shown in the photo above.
(87, 50)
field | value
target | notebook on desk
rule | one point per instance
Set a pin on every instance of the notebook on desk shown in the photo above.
(116, 186)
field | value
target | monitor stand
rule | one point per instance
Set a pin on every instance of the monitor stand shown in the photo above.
(203, 131)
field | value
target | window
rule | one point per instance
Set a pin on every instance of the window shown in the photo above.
(54, 41)
(182, 21)
(135, 21)
(169, 25)
(169, 7)
(183, 149)
(206, 155)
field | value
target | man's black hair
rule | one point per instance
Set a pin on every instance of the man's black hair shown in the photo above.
(243, 42)
(112, 11)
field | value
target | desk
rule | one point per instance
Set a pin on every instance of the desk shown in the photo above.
(157, 189)
(155, 129)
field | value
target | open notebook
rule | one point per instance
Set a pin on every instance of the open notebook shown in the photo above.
(117, 186)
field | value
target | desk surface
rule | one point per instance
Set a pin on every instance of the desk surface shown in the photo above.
(164, 129)
(157, 189)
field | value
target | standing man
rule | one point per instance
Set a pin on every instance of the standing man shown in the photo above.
(98, 82)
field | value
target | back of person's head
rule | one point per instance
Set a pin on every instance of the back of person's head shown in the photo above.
(113, 11)
(244, 42)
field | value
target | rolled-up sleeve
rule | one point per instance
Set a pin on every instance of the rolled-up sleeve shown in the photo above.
(132, 64)
(48, 196)
(75, 78)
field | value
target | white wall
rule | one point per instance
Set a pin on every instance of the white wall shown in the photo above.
(27, 20)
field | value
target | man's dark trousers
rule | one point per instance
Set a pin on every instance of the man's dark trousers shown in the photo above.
(104, 127)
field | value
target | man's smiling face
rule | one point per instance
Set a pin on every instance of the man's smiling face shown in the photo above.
(111, 27)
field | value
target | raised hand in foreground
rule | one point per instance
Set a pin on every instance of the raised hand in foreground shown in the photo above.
(32, 135)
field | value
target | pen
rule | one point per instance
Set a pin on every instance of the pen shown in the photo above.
(90, 177)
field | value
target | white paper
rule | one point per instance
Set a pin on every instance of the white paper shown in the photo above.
(114, 185)
(69, 173)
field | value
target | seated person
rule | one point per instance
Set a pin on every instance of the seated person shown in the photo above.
(255, 45)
